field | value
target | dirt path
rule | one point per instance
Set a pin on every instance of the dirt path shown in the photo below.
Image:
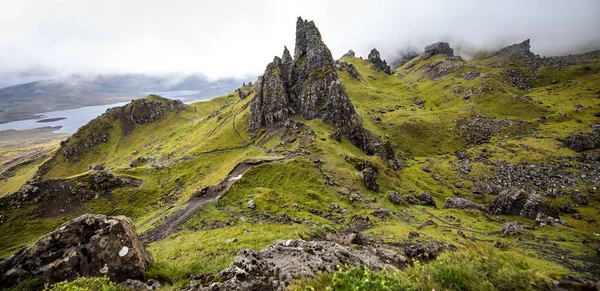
(173, 222)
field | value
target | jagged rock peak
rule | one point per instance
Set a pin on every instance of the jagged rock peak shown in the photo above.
(436, 49)
(378, 64)
(286, 57)
(305, 31)
(349, 54)
(522, 49)
(310, 86)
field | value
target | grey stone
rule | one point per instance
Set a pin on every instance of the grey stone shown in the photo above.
(379, 65)
(436, 49)
(91, 245)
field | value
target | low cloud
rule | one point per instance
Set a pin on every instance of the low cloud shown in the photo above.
(238, 38)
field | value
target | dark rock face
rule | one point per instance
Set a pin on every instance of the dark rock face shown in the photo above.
(59, 196)
(278, 265)
(349, 54)
(379, 65)
(519, 203)
(583, 141)
(521, 49)
(436, 49)
(350, 68)
(462, 203)
(369, 176)
(309, 86)
(395, 197)
(425, 198)
(91, 245)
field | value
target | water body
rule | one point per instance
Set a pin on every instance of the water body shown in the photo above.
(72, 119)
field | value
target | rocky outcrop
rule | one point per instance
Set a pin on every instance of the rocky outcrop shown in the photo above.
(284, 261)
(379, 65)
(349, 54)
(519, 49)
(308, 85)
(369, 176)
(583, 141)
(149, 109)
(519, 203)
(462, 203)
(425, 198)
(91, 245)
(60, 196)
(436, 49)
(350, 68)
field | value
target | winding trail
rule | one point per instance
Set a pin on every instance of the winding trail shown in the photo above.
(173, 222)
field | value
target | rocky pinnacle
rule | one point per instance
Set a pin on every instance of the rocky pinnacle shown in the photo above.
(309, 86)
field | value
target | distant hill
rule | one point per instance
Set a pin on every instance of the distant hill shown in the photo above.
(22, 101)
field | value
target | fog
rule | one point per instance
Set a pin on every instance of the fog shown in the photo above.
(237, 38)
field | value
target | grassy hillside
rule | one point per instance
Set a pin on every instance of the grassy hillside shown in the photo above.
(433, 112)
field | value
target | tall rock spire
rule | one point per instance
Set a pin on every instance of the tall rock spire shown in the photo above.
(309, 85)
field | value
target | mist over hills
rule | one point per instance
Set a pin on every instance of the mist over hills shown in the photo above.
(76, 90)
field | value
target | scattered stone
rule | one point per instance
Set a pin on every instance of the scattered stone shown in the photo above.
(137, 285)
(500, 245)
(379, 65)
(425, 198)
(462, 203)
(395, 197)
(251, 204)
(436, 49)
(413, 234)
(97, 167)
(427, 252)
(346, 239)
(231, 240)
(369, 176)
(471, 75)
(91, 245)
(577, 216)
(512, 228)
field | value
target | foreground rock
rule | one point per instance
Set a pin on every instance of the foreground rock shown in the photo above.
(284, 261)
(436, 49)
(91, 245)
(583, 141)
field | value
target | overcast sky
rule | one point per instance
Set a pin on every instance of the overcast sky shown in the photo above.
(239, 37)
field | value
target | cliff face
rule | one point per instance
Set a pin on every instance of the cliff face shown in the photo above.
(309, 85)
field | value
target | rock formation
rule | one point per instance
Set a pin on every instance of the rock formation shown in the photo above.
(91, 245)
(284, 261)
(519, 203)
(462, 203)
(379, 65)
(308, 85)
(350, 68)
(436, 49)
(582, 141)
(349, 54)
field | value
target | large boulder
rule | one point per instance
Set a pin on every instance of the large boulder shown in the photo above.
(583, 141)
(369, 176)
(285, 261)
(91, 245)
(462, 203)
(436, 49)
(517, 202)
